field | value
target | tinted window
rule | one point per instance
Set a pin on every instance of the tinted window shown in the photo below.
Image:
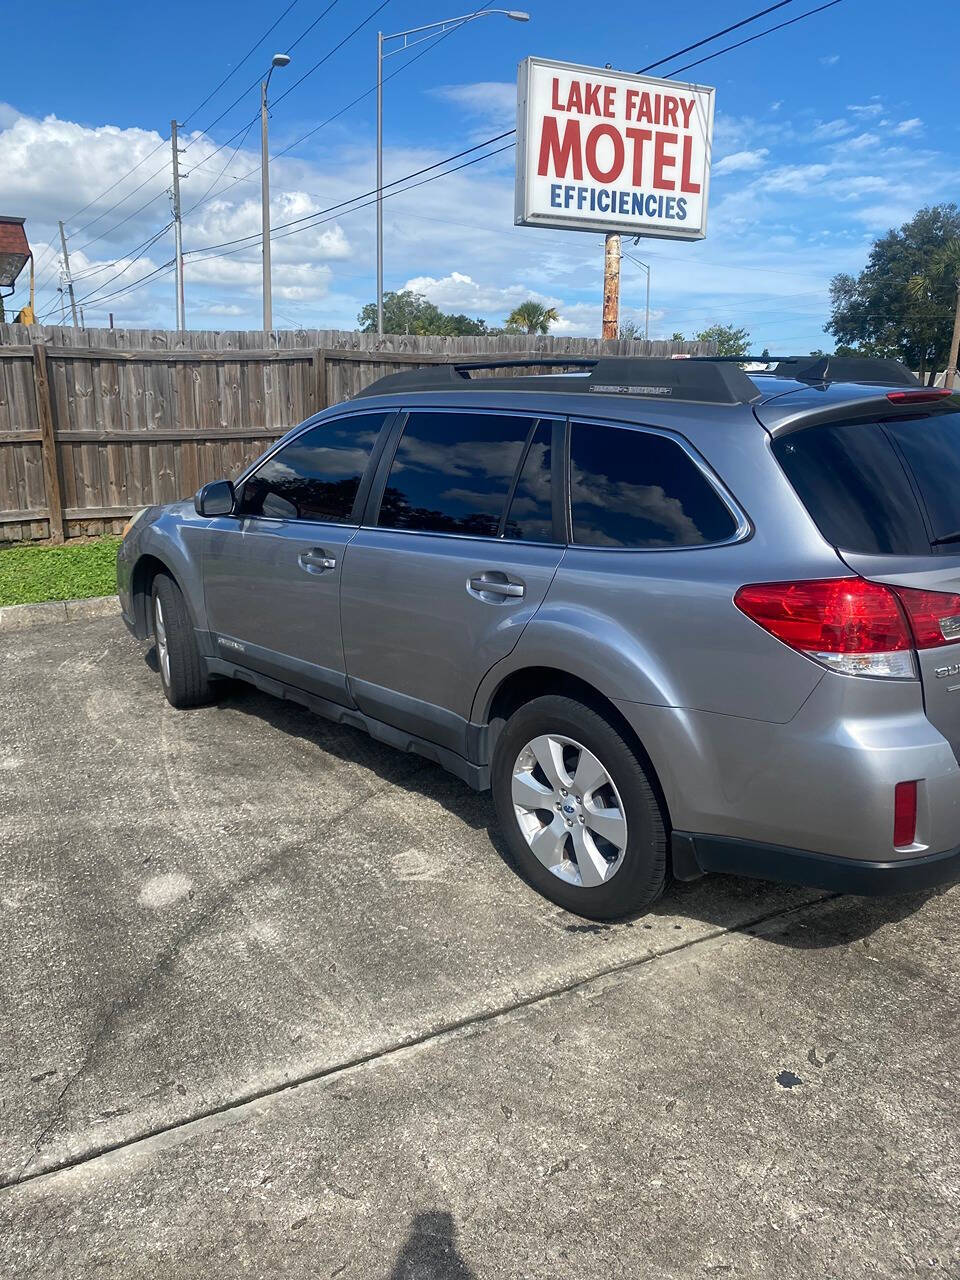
(453, 471)
(531, 513)
(931, 447)
(316, 476)
(855, 487)
(638, 489)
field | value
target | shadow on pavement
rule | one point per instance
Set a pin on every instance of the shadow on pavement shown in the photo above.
(430, 1251)
(714, 900)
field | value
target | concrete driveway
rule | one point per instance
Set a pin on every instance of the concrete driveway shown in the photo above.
(273, 1003)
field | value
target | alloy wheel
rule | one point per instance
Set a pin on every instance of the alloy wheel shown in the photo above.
(569, 810)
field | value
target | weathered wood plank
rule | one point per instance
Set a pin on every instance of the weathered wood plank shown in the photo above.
(51, 466)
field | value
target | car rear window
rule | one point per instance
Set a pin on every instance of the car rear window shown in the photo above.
(878, 488)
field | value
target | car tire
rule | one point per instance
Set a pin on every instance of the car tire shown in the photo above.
(182, 674)
(623, 874)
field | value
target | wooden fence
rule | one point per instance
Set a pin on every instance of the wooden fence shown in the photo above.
(97, 423)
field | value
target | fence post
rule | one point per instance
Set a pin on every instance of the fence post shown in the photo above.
(48, 444)
(320, 380)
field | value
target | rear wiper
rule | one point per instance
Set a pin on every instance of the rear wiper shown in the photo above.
(947, 537)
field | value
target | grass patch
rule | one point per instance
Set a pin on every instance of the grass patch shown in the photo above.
(74, 571)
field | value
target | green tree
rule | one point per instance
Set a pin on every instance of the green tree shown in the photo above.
(409, 312)
(531, 317)
(730, 341)
(885, 310)
(944, 266)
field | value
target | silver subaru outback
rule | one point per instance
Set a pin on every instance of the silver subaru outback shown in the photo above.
(679, 619)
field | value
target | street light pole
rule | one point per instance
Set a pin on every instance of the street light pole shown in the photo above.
(279, 60)
(422, 33)
(646, 267)
(380, 183)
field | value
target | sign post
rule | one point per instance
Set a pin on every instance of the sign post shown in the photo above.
(607, 151)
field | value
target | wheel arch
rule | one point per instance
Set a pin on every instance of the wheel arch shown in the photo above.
(524, 684)
(144, 572)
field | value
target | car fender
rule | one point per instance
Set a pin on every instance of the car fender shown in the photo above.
(176, 543)
(589, 645)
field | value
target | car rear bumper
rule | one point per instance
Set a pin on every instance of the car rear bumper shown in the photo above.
(696, 854)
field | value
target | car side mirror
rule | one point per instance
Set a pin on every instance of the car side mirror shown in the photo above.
(215, 499)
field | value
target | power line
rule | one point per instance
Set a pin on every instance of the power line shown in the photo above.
(248, 176)
(749, 40)
(213, 92)
(364, 205)
(307, 30)
(163, 143)
(230, 159)
(349, 36)
(307, 217)
(716, 36)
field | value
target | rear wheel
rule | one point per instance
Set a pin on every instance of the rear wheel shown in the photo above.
(182, 674)
(577, 809)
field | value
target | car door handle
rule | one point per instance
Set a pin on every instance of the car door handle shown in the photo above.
(495, 584)
(316, 561)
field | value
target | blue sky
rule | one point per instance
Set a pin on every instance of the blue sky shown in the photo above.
(827, 133)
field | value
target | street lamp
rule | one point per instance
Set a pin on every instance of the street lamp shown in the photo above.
(646, 268)
(279, 60)
(422, 33)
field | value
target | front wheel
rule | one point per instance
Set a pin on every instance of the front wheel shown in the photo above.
(578, 810)
(182, 674)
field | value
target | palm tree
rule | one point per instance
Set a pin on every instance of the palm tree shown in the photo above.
(531, 317)
(944, 265)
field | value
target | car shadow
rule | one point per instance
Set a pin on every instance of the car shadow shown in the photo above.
(726, 902)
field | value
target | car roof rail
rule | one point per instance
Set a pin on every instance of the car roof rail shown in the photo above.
(699, 380)
(870, 370)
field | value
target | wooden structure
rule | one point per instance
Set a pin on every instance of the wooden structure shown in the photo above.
(97, 423)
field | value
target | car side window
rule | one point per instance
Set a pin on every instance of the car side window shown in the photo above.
(453, 471)
(531, 509)
(317, 475)
(640, 489)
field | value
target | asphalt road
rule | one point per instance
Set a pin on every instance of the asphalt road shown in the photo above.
(273, 1003)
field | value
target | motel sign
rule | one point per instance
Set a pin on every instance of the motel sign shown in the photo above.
(601, 150)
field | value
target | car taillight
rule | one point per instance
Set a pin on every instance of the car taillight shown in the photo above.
(934, 616)
(918, 397)
(848, 624)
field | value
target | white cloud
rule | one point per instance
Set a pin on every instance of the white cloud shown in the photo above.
(838, 128)
(872, 108)
(830, 60)
(741, 161)
(459, 292)
(224, 309)
(912, 125)
(491, 100)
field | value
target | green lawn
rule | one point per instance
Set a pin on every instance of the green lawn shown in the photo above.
(71, 572)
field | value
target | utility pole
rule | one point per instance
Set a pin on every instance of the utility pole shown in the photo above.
(66, 271)
(611, 286)
(950, 377)
(177, 226)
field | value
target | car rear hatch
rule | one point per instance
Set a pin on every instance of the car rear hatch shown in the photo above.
(882, 482)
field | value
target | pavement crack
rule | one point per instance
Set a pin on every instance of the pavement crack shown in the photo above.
(403, 1044)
